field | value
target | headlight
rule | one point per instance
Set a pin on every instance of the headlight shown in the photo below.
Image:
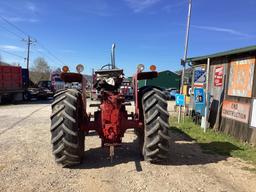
(152, 68)
(79, 68)
(140, 67)
(65, 69)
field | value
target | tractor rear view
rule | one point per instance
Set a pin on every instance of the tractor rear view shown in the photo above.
(70, 120)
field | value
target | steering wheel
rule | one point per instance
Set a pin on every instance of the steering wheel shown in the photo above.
(104, 66)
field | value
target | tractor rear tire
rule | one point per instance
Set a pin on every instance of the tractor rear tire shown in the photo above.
(156, 117)
(66, 137)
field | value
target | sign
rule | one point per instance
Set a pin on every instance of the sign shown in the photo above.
(218, 76)
(236, 111)
(241, 77)
(199, 95)
(253, 119)
(199, 99)
(180, 99)
(199, 76)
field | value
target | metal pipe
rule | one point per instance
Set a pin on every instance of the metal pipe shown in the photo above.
(187, 32)
(206, 113)
(185, 54)
(113, 60)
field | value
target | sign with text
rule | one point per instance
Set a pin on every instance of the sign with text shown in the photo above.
(241, 77)
(253, 120)
(218, 76)
(199, 99)
(236, 111)
(199, 76)
(199, 95)
(180, 99)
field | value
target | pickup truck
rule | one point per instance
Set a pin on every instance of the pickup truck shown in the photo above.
(43, 90)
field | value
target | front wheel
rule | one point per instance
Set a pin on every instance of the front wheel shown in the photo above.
(155, 115)
(67, 138)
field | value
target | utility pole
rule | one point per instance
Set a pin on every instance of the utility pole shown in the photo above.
(29, 42)
(183, 61)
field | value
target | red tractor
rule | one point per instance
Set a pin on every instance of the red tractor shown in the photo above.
(70, 120)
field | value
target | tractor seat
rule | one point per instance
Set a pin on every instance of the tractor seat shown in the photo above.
(108, 79)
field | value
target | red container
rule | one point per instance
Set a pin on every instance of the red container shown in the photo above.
(10, 78)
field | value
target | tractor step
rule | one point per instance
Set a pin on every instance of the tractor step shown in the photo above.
(94, 105)
(127, 104)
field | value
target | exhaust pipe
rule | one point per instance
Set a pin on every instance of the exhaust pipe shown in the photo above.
(113, 60)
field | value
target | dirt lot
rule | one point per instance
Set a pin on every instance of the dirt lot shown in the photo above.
(26, 162)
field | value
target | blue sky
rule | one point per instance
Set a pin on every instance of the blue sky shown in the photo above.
(145, 31)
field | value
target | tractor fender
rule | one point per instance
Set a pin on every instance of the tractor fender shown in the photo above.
(71, 77)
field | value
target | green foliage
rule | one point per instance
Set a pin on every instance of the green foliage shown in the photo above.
(216, 142)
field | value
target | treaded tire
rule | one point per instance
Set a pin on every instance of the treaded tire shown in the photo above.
(156, 139)
(66, 137)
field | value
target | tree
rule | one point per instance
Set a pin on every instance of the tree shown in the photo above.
(16, 63)
(40, 70)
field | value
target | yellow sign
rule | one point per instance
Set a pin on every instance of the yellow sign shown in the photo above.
(241, 77)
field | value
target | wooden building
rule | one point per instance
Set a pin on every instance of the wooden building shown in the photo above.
(230, 78)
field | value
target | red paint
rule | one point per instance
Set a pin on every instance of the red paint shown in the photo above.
(10, 78)
(71, 77)
(218, 76)
(111, 121)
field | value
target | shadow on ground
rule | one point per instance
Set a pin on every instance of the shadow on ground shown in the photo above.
(183, 151)
(186, 151)
(99, 157)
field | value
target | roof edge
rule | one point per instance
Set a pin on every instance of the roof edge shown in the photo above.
(224, 53)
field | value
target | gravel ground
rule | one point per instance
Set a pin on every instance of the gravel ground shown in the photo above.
(26, 162)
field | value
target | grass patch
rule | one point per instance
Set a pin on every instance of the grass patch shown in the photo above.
(1, 167)
(216, 142)
(253, 170)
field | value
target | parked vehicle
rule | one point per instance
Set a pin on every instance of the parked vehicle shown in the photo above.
(73, 85)
(57, 82)
(43, 90)
(170, 93)
(11, 83)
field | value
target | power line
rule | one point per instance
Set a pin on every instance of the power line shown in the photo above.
(50, 53)
(13, 25)
(15, 34)
(23, 32)
(43, 55)
(10, 53)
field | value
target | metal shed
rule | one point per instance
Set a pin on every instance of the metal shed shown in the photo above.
(230, 79)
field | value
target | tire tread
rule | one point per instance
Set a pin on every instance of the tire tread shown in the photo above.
(155, 115)
(66, 137)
